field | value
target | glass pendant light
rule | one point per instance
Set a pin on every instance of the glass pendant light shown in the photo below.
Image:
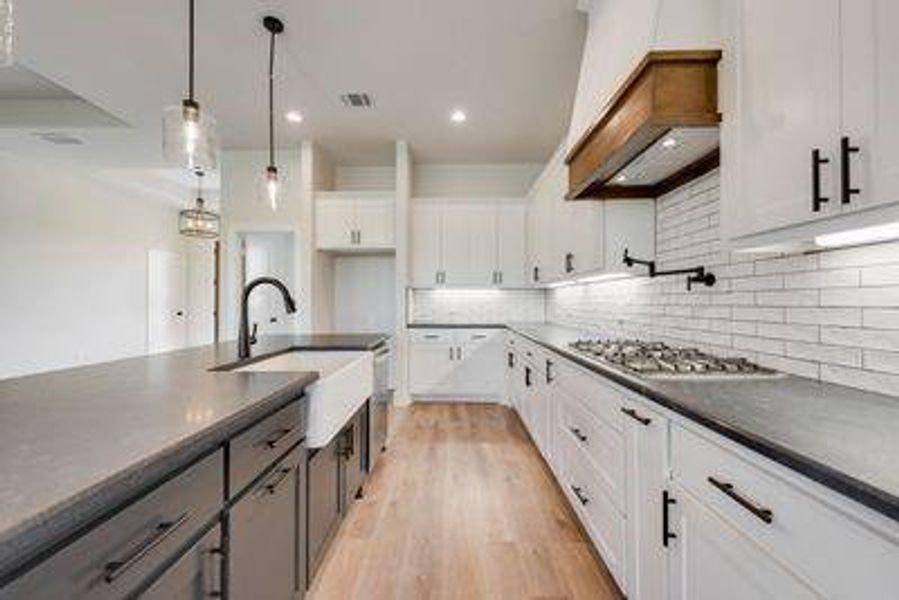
(199, 222)
(6, 32)
(271, 184)
(188, 134)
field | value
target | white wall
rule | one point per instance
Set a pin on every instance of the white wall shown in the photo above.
(476, 180)
(73, 262)
(364, 298)
(621, 32)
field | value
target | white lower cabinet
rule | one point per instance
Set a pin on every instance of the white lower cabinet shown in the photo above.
(462, 363)
(678, 512)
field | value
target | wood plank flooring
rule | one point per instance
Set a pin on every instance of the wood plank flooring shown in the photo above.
(461, 506)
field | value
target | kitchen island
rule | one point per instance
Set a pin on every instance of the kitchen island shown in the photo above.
(77, 444)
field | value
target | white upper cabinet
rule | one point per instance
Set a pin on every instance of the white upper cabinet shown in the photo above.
(354, 223)
(573, 239)
(871, 99)
(511, 245)
(810, 132)
(425, 245)
(781, 89)
(468, 245)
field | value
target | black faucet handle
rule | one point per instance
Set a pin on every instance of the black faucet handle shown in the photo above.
(253, 333)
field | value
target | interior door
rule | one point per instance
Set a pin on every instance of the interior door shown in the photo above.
(711, 560)
(870, 98)
(166, 301)
(374, 221)
(334, 223)
(426, 245)
(782, 100)
(511, 246)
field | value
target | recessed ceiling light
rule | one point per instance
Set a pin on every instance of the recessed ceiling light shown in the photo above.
(458, 116)
(669, 142)
(294, 116)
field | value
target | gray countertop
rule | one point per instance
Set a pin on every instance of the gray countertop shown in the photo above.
(75, 442)
(841, 437)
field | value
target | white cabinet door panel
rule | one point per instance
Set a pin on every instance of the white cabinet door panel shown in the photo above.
(711, 560)
(781, 82)
(426, 245)
(871, 97)
(511, 247)
(430, 368)
(334, 223)
(374, 222)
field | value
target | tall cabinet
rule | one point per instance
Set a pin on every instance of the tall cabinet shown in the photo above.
(810, 130)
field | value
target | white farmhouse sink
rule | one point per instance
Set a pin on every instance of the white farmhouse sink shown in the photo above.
(345, 382)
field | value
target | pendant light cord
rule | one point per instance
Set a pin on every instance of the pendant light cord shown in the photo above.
(271, 101)
(190, 51)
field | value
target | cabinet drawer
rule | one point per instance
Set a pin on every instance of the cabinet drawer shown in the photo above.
(602, 399)
(197, 574)
(431, 336)
(115, 557)
(263, 443)
(842, 555)
(603, 521)
(473, 337)
(596, 442)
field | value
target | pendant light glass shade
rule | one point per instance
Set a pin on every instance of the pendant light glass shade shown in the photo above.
(188, 137)
(199, 222)
(188, 133)
(6, 33)
(271, 187)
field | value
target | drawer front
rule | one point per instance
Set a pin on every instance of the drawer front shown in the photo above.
(115, 557)
(262, 444)
(197, 574)
(431, 336)
(815, 539)
(476, 336)
(602, 399)
(596, 442)
(603, 521)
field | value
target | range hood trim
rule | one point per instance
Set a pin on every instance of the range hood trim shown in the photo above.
(649, 105)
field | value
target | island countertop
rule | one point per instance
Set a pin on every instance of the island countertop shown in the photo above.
(76, 441)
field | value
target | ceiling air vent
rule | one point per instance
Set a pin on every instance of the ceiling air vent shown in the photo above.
(357, 100)
(58, 138)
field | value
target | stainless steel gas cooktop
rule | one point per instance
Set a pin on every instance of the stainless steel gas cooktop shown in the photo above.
(659, 360)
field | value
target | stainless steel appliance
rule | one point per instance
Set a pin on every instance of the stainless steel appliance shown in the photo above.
(379, 405)
(659, 360)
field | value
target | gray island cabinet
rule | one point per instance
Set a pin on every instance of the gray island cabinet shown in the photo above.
(229, 525)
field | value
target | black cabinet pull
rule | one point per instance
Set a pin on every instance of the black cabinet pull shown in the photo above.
(817, 198)
(527, 376)
(579, 492)
(636, 416)
(511, 360)
(272, 486)
(276, 439)
(536, 274)
(549, 371)
(569, 262)
(116, 568)
(764, 514)
(667, 501)
(846, 152)
(578, 434)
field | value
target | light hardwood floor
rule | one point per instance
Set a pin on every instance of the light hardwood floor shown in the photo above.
(461, 506)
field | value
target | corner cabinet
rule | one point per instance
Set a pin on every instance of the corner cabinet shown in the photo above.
(810, 131)
(468, 245)
(354, 222)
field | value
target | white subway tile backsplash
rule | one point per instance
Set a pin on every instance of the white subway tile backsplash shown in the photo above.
(832, 315)
(822, 279)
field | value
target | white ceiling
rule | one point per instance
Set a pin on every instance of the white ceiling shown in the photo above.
(512, 64)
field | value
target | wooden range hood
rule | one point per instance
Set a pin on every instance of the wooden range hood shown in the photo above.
(659, 131)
